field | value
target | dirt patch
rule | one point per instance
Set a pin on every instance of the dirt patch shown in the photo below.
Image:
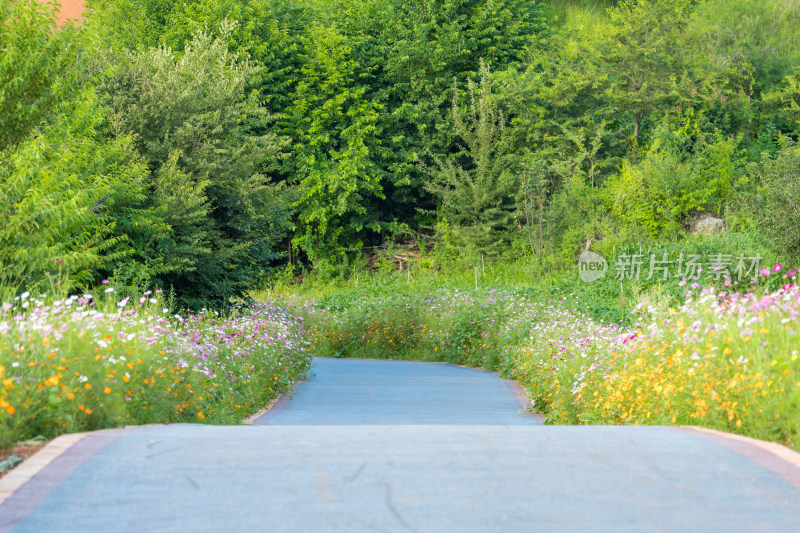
(23, 449)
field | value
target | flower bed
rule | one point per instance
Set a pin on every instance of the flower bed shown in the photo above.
(78, 363)
(726, 360)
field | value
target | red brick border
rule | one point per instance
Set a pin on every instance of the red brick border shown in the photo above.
(770, 455)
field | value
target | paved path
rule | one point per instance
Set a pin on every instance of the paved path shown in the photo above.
(367, 392)
(310, 467)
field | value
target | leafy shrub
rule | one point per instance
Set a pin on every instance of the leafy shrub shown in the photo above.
(476, 187)
(657, 196)
(71, 195)
(227, 220)
(776, 201)
(39, 67)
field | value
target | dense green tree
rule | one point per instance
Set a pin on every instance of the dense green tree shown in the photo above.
(640, 60)
(131, 24)
(38, 67)
(196, 126)
(336, 131)
(70, 196)
(476, 186)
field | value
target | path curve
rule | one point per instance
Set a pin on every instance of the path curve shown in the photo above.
(370, 392)
(298, 472)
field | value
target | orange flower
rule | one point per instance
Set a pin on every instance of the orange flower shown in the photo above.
(88, 386)
(107, 390)
(10, 409)
(201, 415)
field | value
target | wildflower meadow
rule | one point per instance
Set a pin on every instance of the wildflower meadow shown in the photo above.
(87, 362)
(719, 358)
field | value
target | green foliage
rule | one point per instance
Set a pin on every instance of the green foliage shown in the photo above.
(754, 44)
(198, 128)
(476, 185)
(39, 67)
(782, 105)
(335, 134)
(268, 31)
(411, 323)
(776, 201)
(131, 24)
(70, 195)
(640, 59)
(249, 127)
(679, 176)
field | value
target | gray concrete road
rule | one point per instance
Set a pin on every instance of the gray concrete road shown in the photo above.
(494, 470)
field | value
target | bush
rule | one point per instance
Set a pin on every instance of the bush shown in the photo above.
(187, 112)
(776, 202)
(39, 67)
(476, 187)
(677, 178)
(72, 195)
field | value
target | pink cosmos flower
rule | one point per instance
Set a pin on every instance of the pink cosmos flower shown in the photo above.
(765, 272)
